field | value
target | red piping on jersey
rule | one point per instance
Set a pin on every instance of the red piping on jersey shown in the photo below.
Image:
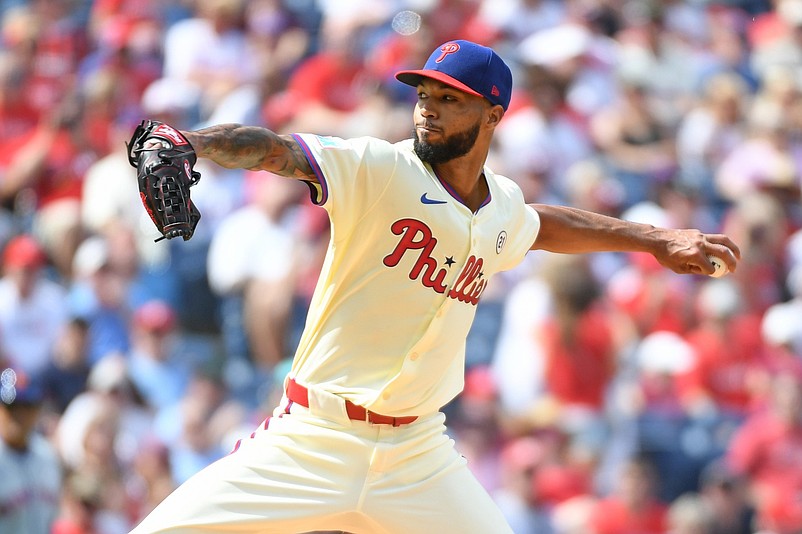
(324, 188)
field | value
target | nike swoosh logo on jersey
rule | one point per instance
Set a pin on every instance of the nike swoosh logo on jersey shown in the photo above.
(427, 200)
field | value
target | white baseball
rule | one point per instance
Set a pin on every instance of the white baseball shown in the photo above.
(721, 267)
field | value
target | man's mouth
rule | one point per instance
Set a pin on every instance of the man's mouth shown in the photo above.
(427, 128)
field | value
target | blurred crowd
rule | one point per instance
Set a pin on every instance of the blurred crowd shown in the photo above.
(604, 394)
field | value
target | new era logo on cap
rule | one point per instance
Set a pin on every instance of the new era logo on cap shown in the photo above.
(466, 66)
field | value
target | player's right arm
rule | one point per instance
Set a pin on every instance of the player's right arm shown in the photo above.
(236, 146)
(569, 230)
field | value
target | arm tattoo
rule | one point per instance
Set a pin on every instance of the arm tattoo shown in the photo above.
(250, 147)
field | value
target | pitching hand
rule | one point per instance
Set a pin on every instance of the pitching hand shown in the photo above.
(686, 251)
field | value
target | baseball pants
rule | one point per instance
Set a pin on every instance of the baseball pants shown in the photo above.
(308, 469)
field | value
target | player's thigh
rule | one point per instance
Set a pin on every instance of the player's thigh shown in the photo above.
(450, 502)
(271, 483)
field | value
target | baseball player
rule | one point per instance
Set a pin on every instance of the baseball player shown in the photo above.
(418, 228)
(30, 472)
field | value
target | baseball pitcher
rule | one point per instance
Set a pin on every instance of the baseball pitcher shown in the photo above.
(418, 228)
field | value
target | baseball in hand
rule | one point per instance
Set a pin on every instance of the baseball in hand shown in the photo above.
(718, 263)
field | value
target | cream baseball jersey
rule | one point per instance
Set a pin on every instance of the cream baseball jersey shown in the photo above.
(406, 266)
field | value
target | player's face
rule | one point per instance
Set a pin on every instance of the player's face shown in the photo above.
(17, 422)
(447, 122)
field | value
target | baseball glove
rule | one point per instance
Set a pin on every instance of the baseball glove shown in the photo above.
(164, 158)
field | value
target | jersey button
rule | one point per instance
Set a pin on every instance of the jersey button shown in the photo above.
(414, 356)
(385, 395)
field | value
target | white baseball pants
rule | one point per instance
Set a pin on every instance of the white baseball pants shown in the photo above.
(315, 469)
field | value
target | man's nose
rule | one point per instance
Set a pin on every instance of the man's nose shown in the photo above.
(427, 109)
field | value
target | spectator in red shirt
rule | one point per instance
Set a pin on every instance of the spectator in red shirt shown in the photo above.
(768, 450)
(647, 297)
(43, 176)
(327, 85)
(17, 115)
(726, 343)
(633, 509)
(578, 341)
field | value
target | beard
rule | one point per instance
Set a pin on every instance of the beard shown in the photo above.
(453, 147)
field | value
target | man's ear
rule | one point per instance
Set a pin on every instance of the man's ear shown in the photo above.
(494, 116)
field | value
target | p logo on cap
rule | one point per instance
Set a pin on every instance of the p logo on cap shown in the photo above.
(446, 49)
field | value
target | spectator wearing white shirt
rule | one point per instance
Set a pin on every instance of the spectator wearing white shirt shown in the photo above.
(33, 309)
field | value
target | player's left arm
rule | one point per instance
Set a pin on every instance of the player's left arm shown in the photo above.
(238, 146)
(575, 231)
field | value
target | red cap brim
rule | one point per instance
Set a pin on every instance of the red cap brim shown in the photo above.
(413, 77)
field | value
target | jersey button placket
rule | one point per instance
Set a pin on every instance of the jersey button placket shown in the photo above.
(474, 238)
